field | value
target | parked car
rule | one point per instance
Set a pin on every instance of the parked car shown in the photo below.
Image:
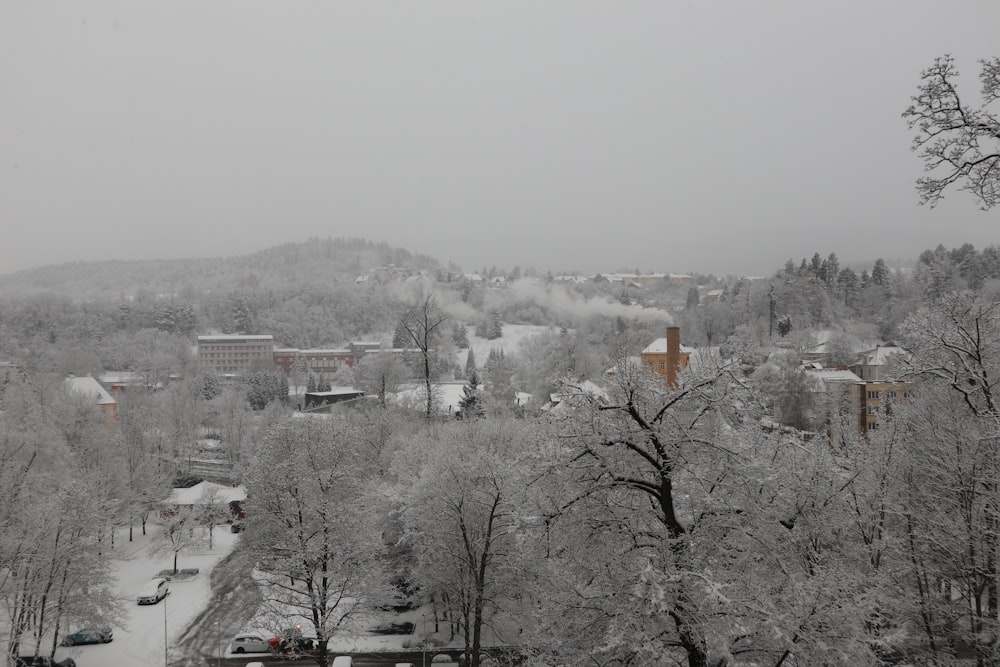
(42, 661)
(342, 661)
(250, 642)
(155, 590)
(89, 636)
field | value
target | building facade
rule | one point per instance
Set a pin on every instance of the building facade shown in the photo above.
(235, 354)
(321, 363)
(667, 356)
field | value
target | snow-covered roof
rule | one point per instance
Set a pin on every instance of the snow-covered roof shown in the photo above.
(659, 346)
(833, 375)
(222, 338)
(446, 396)
(881, 355)
(195, 495)
(337, 391)
(583, 389)
(91, 388)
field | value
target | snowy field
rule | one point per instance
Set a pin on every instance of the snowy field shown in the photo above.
(514, 336)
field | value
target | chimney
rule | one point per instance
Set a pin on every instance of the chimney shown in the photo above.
(673, 354)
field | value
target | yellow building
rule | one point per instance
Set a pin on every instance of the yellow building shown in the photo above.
(850, 400)
(667, 356)
(876, 401)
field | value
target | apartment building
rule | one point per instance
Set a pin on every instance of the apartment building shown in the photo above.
(844, 397)
(235, 354)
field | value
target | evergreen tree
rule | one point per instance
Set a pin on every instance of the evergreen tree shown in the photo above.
(847, 282)
(880, 274)
(832, 268)
(210, 386)
(495, 329)
(692, 298)
(460, 336)
(470, 364)
(311, 383)
(784, 326)
(815, 264)
(472, 400)
(401, 338)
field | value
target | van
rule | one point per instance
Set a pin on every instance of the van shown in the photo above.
(155, 590)
(342, 661)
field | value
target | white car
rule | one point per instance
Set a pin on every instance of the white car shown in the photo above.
(155, 590)
(250, 642)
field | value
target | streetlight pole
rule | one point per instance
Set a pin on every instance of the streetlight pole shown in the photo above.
(165, 652)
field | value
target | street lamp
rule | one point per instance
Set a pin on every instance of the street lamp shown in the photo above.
(165, 653)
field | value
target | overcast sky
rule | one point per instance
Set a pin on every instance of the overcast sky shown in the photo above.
(716, 137)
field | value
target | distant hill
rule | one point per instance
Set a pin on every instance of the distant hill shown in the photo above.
(315, 261)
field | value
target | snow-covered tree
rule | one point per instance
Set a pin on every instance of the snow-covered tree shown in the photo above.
(462, 517)
(379, 374)
(312, 537)
(959, 144)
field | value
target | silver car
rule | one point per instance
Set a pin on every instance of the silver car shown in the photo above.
(155, 590)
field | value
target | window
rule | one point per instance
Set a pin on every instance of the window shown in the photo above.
(872, 426)
(873, 395)
(873, 409)
(663, 366)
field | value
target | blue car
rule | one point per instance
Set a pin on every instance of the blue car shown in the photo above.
(89, 636)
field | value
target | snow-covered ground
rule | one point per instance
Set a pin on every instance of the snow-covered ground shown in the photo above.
(140, 641)
(514, 336)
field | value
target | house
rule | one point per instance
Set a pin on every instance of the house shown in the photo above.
(446, 397)
(92, 390)
(667, 356)
(876, 364)
(712, 296)
(574, 392)
(204, 496)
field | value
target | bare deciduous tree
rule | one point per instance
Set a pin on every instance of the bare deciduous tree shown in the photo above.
(424, 324)
(959, 144)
